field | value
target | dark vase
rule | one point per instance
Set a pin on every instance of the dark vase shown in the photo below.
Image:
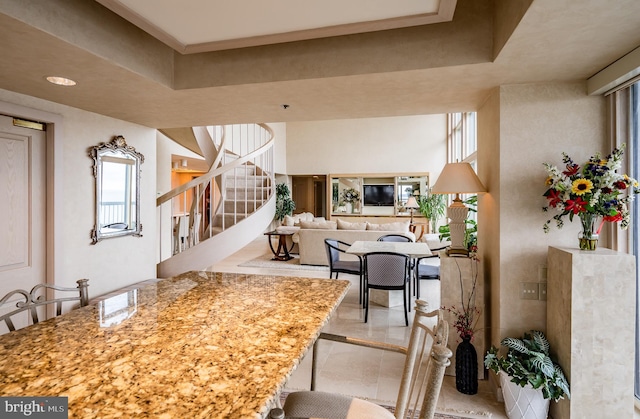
(466, 367)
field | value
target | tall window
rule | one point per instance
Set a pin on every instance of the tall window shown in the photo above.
(461, 143)
(625, 122)
(634, 131)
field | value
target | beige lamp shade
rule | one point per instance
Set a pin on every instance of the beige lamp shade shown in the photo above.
(458, 178)
(412, 203)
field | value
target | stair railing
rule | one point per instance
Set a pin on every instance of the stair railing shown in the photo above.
(240, 181)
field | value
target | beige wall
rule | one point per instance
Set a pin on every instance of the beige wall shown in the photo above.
(368, 145)
(280, 146)
(536, 123)
(519, 127)
(112, 263)
(489, 206)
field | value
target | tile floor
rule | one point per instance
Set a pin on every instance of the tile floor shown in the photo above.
(364, 372)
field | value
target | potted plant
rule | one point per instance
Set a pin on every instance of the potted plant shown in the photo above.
(284, 203)
(528, 368)
(433, 207)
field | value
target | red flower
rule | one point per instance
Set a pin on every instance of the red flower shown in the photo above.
(575, 205)
(554, 198)
(620, 185)
(572, 169)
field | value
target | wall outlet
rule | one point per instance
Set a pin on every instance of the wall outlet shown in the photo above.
(542, 290)
(529, 291)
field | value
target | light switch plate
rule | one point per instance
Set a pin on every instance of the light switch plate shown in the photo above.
(529, 291)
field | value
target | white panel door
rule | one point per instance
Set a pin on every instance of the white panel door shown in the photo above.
(22, 207)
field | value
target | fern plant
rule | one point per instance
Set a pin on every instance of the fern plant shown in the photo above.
(528, 362)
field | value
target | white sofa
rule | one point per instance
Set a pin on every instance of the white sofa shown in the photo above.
(311, 237)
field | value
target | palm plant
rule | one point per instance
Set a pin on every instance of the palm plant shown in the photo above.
(433, 207)
(284, 203)
(528, 362)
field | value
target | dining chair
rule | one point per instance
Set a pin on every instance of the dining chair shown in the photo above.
(386, 271)
(394, 238)
(334, 249)
(36, 301)
(399, 238)
(427, 357)
(426, 270)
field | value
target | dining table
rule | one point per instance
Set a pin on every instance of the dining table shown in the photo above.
(197, 345)
(415, 250)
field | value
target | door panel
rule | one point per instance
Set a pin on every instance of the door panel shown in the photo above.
(22, 208)
(14, 188)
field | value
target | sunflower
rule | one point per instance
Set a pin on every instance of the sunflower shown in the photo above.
(581, 186)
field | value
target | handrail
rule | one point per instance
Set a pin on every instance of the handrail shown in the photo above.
(222, 197)
(214, 171)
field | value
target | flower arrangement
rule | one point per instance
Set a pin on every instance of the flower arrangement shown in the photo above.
(466, 317)
(590, 191)
(466, 320)
(350, 195)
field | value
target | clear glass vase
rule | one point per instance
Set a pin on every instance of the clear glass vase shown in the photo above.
(588, 237)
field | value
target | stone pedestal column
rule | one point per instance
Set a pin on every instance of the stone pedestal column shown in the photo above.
(591, 329)
(457, 275)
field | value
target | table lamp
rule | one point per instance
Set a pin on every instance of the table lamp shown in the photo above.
(412, 204)
(458, 178)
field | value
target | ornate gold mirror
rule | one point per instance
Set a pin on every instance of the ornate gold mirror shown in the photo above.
(116, 168)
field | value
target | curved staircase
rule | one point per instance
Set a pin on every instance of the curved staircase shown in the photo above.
(218, 213)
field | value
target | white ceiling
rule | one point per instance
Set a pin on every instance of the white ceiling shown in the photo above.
(206, 25)
(125, 73)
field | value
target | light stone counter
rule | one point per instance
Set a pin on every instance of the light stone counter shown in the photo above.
(590, 312)
(199, 345)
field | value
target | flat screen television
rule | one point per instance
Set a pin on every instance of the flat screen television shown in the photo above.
(379, 195)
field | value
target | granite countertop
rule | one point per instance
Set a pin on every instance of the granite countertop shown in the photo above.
(194, 346)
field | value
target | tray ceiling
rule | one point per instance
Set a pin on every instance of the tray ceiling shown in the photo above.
(190, 26)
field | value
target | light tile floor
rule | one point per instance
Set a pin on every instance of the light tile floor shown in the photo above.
(364, 372)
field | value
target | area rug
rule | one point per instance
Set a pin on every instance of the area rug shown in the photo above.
(266, 261)
(440, 414)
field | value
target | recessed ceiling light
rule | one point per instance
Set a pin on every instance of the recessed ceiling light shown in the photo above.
(61, 81)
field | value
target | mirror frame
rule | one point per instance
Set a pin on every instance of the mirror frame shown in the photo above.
(117, 145)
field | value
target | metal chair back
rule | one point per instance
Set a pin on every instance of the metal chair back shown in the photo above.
(399, 238)
(39, 298)
(387, 271)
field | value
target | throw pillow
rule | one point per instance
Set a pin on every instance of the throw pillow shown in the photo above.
(397, 226)
(327, 225)
(345, 225)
